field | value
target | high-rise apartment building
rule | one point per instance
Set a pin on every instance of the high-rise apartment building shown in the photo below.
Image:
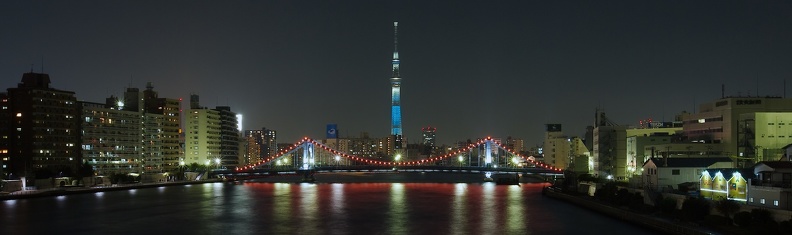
(229, 138)
(40, 132)
(556, 148)
(265, 141)
(202, 137)
(211, 136)
(112, 140)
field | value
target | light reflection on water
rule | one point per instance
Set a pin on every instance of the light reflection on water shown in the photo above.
(459, 210)
(397, 222)
(515, 222)
(282, 208)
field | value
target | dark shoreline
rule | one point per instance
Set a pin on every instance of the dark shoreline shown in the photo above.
(663, 226)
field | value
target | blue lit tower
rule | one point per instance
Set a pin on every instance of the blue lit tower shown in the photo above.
(396, 123)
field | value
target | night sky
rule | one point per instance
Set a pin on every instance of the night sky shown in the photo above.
(470, 68)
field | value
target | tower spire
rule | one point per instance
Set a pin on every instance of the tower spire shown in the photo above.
(395, 49)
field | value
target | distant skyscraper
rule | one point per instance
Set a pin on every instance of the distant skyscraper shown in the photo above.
(429, 137)
(396, 122)
(265, 139)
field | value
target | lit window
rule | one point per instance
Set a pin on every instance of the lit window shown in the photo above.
(751, 200)
(762, 201)
(775, 203)
(19, 115)
(702, 120)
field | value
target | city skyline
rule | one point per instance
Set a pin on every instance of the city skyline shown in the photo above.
(474, 70)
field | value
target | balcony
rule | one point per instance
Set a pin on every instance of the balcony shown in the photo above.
(772, 184)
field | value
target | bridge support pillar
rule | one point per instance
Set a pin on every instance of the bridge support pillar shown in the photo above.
(308, 176)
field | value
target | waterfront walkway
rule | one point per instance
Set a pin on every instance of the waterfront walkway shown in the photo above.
(78, 190)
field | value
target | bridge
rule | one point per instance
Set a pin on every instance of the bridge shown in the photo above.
(309, 157)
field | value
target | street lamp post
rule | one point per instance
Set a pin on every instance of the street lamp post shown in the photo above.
(460, 161)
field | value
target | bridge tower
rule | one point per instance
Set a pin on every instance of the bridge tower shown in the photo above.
(488, 154)
(309, 159)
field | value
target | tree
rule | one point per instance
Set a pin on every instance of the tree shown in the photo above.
(742, 219)
(84, 170)
(668, 205)
(761, 216)
(695, 208)
(727, 207)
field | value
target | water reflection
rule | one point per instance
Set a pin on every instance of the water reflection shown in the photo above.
(515, 224)
(488, 216)
(398, 218)
(459, 210)
(309, 209)
(280, 208)
(338, 210)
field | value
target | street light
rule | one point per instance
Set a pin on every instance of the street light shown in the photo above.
(217, 161)
(337, 158)
(398, 156)
(460, 160)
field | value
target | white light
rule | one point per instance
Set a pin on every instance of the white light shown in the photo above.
(217, 160)
(398, 156)
(610, 177)
(488, 174)
(239, 122)
(338, 158)
(702, 120)
(461, 158)
(515, 160)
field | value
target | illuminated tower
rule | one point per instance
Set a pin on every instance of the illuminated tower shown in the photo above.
(396, 123)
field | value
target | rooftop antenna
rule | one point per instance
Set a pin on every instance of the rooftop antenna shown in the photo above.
(31, 68)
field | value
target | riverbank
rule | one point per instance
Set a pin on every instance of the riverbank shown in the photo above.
(664, 226)
(79, 190)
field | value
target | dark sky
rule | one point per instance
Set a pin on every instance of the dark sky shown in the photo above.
(470, 68)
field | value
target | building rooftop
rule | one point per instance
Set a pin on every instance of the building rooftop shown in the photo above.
(689, 162)
(777, 164)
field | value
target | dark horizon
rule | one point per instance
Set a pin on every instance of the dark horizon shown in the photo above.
(470, 69)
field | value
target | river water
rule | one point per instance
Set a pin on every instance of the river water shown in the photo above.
(309, 208)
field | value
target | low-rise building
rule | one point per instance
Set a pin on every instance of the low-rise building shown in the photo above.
(772, 186)
(665, 174)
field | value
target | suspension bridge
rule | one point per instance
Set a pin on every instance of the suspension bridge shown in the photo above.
(309, 157)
